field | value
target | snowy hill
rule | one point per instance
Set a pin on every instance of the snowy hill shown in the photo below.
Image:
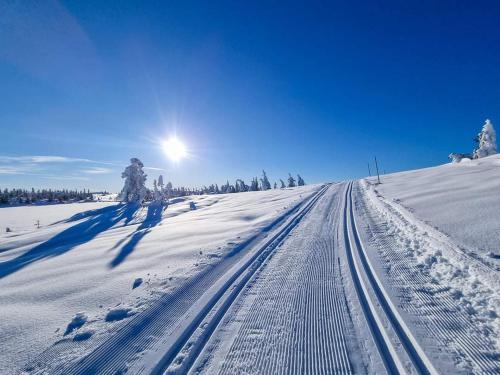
(461, 200)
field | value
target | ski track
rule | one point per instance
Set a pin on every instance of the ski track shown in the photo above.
(186, 351)
(299, 321)
(438, 314)
(115, 354)
(285, 307)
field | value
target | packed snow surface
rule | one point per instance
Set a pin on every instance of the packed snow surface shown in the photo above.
(91, 266)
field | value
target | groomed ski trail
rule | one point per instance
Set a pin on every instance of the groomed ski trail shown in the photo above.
(142, 345)
(293, 317)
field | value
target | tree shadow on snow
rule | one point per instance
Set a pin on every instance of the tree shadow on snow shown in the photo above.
(152, 219)
(96, 221)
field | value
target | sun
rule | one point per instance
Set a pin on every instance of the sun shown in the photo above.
(174, 149)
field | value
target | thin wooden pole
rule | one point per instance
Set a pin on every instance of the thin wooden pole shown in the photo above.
(376, 166)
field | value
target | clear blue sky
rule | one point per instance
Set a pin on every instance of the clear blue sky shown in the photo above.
(317, 88)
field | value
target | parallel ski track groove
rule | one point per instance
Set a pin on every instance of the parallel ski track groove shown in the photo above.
(444, 314)
(218, 306)
(386, 347)
(110, 354)
(309, 292)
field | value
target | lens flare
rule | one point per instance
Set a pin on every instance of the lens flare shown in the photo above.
(174, 149)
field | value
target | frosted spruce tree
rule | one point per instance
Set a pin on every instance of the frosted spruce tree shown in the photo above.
(291, 181)
(157, 192)
(282, 184)
(160, 184)
(266, 185)
(300, 181)
(487, 141)
(254, 186)
(169, 189)
(241, 186)
(134, 188)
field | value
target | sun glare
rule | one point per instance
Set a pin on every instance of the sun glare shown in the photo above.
(175, 149)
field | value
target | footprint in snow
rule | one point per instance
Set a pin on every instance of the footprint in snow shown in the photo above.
(78, 320)
(137, 282)
(118, 314)
(82, 336)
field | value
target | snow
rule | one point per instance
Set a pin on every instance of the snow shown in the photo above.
(487, 141)
(440, 244)
(357, 276)
(23, 218)
(461, 200)
(78, 274)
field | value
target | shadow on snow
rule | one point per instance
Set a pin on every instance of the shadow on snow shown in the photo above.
(97, 221)
(152, 219)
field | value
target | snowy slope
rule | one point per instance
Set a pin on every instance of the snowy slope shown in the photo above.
(434, 236)
(461, 200)
(74, 279)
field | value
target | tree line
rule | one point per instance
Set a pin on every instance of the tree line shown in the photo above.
(25, 196)
(135, 190)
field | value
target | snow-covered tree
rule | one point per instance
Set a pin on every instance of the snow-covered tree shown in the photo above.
(254, 186)
(457, 157)
(282, 184)
(241, 186)
(157, 192)
(275, 185)
(300, 181)
(160, 183)
(487, 141)
(168, 190)
(134, 188)
(291, 181)
(266, 185)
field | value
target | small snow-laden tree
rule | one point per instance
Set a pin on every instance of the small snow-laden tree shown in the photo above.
(134, 188)
(282, 184)
(487, 141)
(275, 185)
(157, 193)
(300, 181)
(266, 185)
(241, 186)
(254, 186)
(291, 180)
(160, 183)
(457, 157)
(168, 190)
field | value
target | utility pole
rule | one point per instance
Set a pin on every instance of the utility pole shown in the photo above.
(376, 166)
(369, 172)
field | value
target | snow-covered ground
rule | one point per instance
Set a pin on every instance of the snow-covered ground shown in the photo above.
(398, 277)
(461, 200)
(91, 265)
(434, 235)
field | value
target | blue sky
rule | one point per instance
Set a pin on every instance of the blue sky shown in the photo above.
(316, 88)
